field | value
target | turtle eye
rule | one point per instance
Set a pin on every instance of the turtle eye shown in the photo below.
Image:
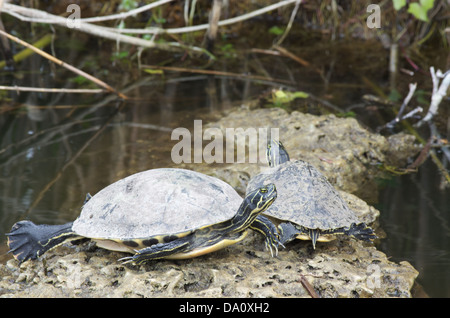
(263, 190)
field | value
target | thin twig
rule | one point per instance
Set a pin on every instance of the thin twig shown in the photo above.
(63, 64)
(42, 42)
(399, 117)
(308, 287)
(292, 56)
(52, 90)
(412, 89)
(423, 155)
(291, 21)
(217, 73)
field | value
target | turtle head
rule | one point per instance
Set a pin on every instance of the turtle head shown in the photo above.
(262, 198)
(276, 154)
(255, 202)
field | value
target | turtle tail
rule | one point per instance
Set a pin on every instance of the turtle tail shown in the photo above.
(29, 241)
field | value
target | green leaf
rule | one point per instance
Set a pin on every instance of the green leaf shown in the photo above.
(285, 97)
(276, 30)
(418, 11)
(427, 4)
(398, 4)
(300, 95)
(153, 71)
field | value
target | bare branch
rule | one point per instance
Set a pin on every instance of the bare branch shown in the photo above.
(51, 90)
(124, 15)
(34, 15)
(202, 27)
(439, 92)
(63, 64)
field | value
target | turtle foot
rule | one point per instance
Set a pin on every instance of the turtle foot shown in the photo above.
(361, 231)
(29, 241)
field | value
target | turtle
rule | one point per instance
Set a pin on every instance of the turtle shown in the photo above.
(308, 207)
(159, 213)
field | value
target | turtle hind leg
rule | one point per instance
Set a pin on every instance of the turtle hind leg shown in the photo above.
(29, 241)
(288, 232)
(361, 231)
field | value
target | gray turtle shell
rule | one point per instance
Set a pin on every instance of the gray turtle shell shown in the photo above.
(157, 202)
(305, 197)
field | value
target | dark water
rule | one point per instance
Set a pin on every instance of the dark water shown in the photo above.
(52, 155)
(416, 216)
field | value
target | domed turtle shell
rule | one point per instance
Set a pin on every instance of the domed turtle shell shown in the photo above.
(305, 197)
(157, 202)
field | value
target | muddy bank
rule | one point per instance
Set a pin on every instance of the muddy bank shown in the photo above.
(340, 148)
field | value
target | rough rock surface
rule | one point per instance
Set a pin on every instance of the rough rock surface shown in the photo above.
(346, 153)
(341, 268)
(340, 148)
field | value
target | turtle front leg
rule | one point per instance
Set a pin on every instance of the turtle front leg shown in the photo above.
(158, 251)
(264, 226)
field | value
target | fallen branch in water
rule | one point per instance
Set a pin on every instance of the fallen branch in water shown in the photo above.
(63, 64)
(44, 41)
(439, 92)
(399, 117)
(212, 72)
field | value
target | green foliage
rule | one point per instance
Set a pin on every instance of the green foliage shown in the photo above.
(282, 99)
(128, 5)
(153, 71)
(79, 80)
(418, 9)
(398, 4)
(276, 30)
(395, 96)
(228, 50)
(118, 56)
(348, 114)
(422, 97)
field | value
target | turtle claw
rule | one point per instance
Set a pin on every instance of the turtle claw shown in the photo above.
(126, 260)
(269, 247)
(273, 242)
(361, 231)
